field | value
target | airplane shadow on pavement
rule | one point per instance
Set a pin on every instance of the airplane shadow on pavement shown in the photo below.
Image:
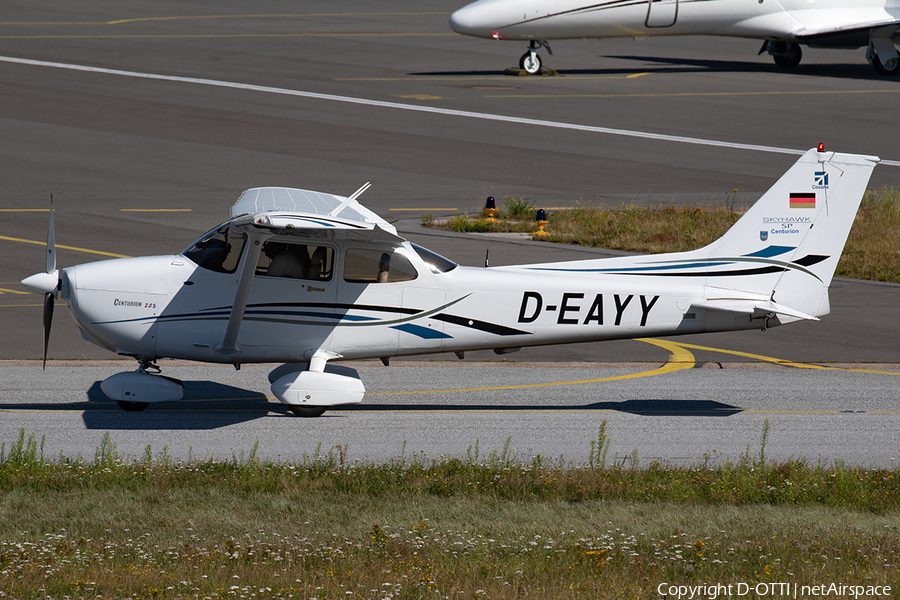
(668, 64)
(209, 405)
(206, 405)
(671, 408)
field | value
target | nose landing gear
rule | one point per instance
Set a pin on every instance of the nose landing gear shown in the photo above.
(530, 62)
(135, 391)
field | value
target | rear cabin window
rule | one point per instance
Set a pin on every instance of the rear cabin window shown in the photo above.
(377, 266)
(297, 261)
(219, 250)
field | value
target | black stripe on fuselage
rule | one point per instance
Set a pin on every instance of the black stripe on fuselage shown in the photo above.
(479, 325)
(594, 8)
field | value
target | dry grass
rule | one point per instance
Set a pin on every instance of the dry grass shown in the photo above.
(873, 248)
(642, 230)
(872, 251)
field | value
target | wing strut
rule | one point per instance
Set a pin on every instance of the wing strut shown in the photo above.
(353, 197)
(229, 346)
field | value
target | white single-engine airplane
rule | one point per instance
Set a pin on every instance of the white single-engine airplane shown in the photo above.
(782, 24)
(302, 277)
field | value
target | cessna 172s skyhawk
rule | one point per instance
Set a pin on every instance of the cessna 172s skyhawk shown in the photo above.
(302, 277)
(782, 24)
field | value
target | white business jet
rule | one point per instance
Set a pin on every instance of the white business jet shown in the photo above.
(782, 24)
(303, 278)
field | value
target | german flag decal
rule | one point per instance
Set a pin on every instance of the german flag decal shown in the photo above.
(803, 200)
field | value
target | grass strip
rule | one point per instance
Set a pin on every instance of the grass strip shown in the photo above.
(470, 527)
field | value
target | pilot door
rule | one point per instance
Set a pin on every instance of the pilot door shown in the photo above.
(291, 308)
(661, 13)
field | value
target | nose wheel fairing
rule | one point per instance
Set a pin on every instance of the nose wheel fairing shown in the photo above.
(137, 390)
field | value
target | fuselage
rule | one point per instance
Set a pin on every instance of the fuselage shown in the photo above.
(169, 306)
(271, 286)
(781, 20)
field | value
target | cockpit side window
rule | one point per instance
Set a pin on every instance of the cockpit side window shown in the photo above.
(298, 261)
(434, 261)
(219, 250)
(377, 266)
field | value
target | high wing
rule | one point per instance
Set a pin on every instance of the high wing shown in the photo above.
(290, 211)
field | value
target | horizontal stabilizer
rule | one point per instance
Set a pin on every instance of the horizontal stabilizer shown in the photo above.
(750, 307)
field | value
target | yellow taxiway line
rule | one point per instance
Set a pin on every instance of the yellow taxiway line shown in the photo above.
(680, 359)
(779, 361)
(76, 249)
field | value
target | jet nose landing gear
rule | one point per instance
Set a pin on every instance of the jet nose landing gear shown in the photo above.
(530, 62)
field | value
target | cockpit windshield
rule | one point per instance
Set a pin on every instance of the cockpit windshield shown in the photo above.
(219, 250)
(435, 262)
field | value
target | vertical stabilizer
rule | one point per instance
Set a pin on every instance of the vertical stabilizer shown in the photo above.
(790, 241)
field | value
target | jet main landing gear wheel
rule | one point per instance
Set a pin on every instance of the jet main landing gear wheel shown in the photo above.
(890, 67)
(787, 56)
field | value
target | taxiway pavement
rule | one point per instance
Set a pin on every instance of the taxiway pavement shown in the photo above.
(687, 417)
(146, 121)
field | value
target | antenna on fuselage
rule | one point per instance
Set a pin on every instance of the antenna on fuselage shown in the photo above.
(487, 254)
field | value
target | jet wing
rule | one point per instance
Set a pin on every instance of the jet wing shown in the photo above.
(844, 27)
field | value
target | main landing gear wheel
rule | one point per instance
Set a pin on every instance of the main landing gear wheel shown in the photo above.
(890, 67)
(308, 412)
(530, 62)
(787, 56)
(132, 406)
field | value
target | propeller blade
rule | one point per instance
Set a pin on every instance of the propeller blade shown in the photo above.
(48, 320)
(51, 242)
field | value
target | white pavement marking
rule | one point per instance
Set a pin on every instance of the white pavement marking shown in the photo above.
(412, 107)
